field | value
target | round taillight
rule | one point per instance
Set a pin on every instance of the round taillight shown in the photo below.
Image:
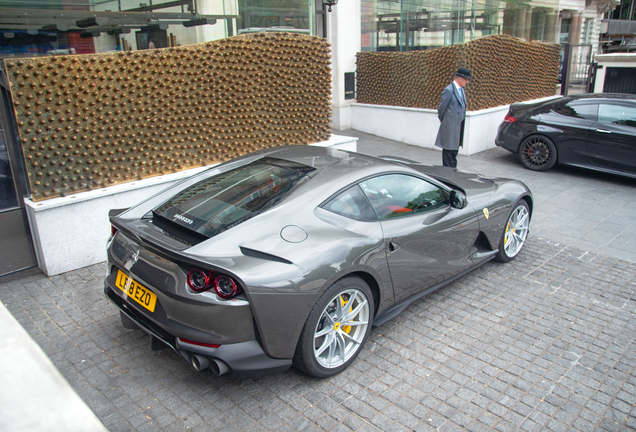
(224, 286)
(198, 280)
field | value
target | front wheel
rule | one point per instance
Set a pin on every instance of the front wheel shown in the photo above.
(336, 329)
(515, 233)
(538, 153)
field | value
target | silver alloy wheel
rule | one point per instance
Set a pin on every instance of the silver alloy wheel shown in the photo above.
(341, 328)
(516, 231)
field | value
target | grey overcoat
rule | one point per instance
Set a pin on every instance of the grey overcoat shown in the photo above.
(451, 112)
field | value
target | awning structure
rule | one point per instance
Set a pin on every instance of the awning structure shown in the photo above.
(94, 23)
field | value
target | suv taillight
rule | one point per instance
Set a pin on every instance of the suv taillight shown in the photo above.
(510, 119)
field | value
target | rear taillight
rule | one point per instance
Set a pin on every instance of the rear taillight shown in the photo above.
(225, 287)
(510, 119)
(199, 280)
(203, 280)
(113, 231)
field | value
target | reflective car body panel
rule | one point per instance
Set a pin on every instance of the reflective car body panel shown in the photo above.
(595, 131)
(431, 248)
(390, 224)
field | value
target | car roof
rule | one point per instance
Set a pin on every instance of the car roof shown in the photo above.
(612, 96)
(333, 162)
(334, 168)
(322, 157)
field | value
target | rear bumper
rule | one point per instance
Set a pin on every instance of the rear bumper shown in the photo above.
(243, 359)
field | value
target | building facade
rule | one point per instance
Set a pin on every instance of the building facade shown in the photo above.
(31, 28)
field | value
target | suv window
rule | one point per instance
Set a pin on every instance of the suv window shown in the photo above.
(395, 195)
(617, 114)
(223, 201)
(578, 109)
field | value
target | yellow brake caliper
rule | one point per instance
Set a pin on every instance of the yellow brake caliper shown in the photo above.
(345, 329)
(506, 236)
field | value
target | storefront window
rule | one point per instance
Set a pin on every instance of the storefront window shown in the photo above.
(291, 15)
(426, 24)
(154, 24)
(8, 197)
(565, 30)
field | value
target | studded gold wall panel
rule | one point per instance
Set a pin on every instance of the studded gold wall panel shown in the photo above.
(90, 121)
(504, 70)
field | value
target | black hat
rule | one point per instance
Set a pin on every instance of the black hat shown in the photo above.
(464, 73)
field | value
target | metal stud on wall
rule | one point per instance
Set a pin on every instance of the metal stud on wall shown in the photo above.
(504, 69)
(90, 121)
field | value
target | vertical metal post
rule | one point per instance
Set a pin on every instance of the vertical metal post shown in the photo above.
(473, 21)
(311, 4)
(457, 38)
(400, 36)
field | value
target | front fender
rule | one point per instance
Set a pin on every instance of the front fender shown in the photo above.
(499, 204)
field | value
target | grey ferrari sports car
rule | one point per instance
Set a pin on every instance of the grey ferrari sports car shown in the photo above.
(290, 255)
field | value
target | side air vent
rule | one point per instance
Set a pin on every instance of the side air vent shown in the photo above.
(262, 255)
(482, 243)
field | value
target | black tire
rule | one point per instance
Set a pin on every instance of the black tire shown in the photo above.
(346, 340)
(538, 153)
(515, 232)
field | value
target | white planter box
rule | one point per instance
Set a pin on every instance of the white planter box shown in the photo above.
(71, 232)
(418, 126)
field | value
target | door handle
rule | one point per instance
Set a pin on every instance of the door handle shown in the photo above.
(603, 130)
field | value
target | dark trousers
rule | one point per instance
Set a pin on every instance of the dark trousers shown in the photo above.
(449, 158)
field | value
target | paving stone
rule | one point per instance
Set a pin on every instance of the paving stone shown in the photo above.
(543, 343)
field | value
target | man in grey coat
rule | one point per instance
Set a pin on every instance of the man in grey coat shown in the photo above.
(451, 113)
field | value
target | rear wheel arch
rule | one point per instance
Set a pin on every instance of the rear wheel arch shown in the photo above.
(373, 284)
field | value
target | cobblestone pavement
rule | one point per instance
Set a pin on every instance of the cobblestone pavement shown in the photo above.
(545, 342)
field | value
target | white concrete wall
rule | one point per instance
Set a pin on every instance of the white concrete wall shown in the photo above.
(71, 232)
(480, 129)
(417, 126)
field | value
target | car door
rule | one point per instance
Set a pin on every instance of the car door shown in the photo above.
(612, 142)
(428, 241)
(567, 124)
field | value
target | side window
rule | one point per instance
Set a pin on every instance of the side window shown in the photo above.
(395, 195)
(351, 204)
(578, 110)
(617, 114)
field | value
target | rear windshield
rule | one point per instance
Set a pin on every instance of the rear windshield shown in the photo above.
(221, 202)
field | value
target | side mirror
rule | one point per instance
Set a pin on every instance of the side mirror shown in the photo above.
(457, 200)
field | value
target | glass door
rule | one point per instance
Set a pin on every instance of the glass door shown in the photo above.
(17, 251)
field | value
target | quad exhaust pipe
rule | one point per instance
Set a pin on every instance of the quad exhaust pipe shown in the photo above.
(200, 363)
